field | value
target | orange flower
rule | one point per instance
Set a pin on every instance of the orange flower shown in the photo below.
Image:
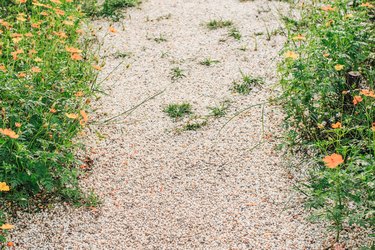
(326, 55)
(6, 227)
(35, 25)
(69, 23)
(373, 126)
(367, 92)
(56, 1)
(357, 99)
(71, 116)
(29, 35)
(2, 68)
(336, 125)
(4, 187)
(112, 29)
(79, 94)
(8, 132)
(84, 115)
(291, 54)
(52, 110)
(367, 4)
(328, 8)
(97, 67)
(32, 51)
(36, 70)
(61, 34)
(59, 12)
(21, 75)
(329, 23)
(73, 50)
(339, 67)
(76, 57)
(333, 160)
(10, 243)
(79, 31)
(299, 37)
(18, 125)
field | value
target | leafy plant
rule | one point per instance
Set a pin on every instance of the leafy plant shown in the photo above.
(220, 110)
(218, 24)
(235, 33)
(178, 110)
(328, 96)
(247, 83)
(208, 62)
(46, 80)
(177, 73)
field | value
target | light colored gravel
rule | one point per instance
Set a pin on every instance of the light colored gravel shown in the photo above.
(197, 189)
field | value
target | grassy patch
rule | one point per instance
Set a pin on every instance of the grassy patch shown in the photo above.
(328, 81)
(246, 84)
(235, 33)
(110, 8)
(178, 110)
(177, 73)
(220, 110)
(160, 39)
(208, 62)
(195, 124)
(46, 76)
(218, 24)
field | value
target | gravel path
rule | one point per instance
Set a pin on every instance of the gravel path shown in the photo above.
(190, 190)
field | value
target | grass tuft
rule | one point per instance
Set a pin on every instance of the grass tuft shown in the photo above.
(235, 33)
(208, 62)
(246, 84)
(218, 24)
(177, 73)
(178, 110)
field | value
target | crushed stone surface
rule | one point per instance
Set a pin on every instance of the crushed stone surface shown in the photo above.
(219, 187)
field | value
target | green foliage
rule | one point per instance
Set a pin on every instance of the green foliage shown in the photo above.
(328, 96)
(247, 83)
(235, 33)
(218, 24)
(177, 73)
(195, 124)
(208, 62)
(220, 110)
(42, 82)
(110, 8)
(178, 110)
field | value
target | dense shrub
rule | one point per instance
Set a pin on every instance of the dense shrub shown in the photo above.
(45, 81)
(328, 83)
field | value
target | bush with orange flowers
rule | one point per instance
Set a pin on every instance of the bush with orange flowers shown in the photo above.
(44, 62)
(328, 95)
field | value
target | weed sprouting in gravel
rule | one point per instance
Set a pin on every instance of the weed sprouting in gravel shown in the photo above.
(246, 84)
(177, 73)
(235, 33)
(220, 110)
(178, 110)
(218, 24)
(160, 39)
(110, 8)
(208, 62)
(195, 124)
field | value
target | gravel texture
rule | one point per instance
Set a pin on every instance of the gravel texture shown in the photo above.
(164, 189)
